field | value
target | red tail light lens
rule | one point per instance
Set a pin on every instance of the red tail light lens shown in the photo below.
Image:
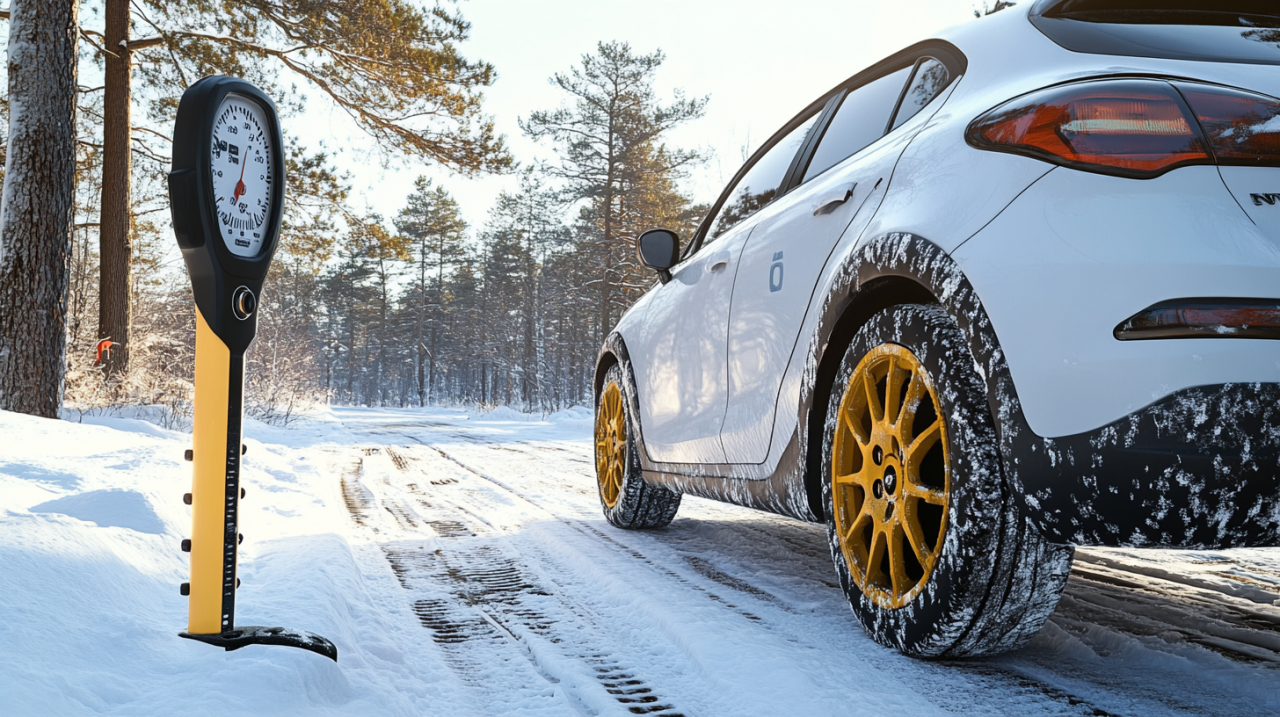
(1134, 128)
(1242, 128)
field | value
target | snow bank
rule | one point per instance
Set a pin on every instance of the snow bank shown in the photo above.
(91, 517)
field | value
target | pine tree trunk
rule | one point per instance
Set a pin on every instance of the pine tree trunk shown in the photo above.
(529, 376)
(418, 331)
(421, 356)
(36, 211)
(115, 302)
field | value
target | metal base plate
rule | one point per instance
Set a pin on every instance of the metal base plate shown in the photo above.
(260, 635)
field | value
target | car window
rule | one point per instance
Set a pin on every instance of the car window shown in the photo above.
(861, 120)
(1199, 30)
(759, 185)
(930, 78)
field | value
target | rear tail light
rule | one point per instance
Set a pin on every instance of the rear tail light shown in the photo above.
(1204, 319)
(1242, 128)
(1134, 127)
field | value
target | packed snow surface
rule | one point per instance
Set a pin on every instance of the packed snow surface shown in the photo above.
(460, 563)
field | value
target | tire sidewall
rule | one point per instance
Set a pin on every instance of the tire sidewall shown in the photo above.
(940, 615)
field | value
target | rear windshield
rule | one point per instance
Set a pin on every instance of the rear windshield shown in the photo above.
(1204, 30)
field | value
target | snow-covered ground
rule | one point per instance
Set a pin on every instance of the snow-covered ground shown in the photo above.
(462, 567)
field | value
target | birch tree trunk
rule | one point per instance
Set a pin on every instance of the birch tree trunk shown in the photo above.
(36, 220)
(115, 300)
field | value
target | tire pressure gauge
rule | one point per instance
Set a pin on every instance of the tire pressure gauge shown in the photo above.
(226, 193)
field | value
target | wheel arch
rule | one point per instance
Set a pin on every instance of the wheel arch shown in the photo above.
(867, 300)
(605, 361)
(889, 270)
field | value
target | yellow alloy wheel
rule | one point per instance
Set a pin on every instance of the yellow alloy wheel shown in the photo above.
(890, 476)
(611, 444)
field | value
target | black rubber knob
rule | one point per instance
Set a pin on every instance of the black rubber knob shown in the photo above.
(185, 588)
(243, 302)
(188, 454)
(186, 545)
(243, 449)
(237, 582)
(186, 498)
(240, 538)
(242, 493)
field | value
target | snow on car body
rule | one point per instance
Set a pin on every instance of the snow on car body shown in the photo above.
(1086, 197)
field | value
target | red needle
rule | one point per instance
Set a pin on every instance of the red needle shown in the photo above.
(239, 184)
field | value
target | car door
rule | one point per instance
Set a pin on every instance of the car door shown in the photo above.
(839, 189)
(678, 356)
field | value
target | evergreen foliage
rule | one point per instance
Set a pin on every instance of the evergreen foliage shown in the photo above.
(412, 309)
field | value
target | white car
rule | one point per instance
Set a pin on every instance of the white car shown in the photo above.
(1005, 292)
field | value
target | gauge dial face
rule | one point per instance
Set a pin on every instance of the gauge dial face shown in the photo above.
(243, 175)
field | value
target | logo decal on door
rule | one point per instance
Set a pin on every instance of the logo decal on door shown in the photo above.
(775, 273)
(1258, 199)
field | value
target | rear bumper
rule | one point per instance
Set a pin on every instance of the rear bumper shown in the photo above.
(1199, 468)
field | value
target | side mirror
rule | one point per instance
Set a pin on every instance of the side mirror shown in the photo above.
(659, 249)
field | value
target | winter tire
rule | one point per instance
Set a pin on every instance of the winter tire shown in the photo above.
(628, 502)
(931, 550)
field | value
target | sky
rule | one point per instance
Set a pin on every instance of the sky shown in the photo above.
(759, 62)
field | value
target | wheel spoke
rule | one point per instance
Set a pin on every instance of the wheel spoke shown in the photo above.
(859, 521)
(915, 390)
(875, 556)
(861, 478)
(855, 431)
(892, 409)
(923, 442)
(916, 540)
(873, 400)
(928, 495)
(897, 568)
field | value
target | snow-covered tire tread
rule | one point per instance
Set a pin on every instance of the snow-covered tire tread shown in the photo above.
(971, 605)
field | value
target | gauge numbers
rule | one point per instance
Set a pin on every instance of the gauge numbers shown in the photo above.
(243, 175)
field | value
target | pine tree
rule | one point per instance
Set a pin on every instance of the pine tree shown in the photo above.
(36, 220)
(434, 230)
(609, 139)
(358, 301)
(530, 216)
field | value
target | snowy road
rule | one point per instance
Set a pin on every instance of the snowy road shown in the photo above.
(493, 531)
(461, 564)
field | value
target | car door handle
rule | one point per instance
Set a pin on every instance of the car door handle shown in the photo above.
(719, 262)
(838, 196)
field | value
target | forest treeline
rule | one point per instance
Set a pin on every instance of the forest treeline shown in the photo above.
(417, 308)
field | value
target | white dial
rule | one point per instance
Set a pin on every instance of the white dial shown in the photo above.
(240, 159)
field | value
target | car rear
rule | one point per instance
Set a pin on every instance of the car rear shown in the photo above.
(1135, 287)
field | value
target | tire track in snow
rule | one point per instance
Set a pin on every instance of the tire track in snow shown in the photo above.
(592, 531)
(493, 605)
(1049, 700)
(1148, 605)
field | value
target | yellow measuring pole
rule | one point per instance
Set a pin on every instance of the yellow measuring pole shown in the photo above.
(211, 505)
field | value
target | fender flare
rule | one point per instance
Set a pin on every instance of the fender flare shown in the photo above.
(920, 262)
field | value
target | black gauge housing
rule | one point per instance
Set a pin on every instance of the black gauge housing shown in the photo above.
(217, 275)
